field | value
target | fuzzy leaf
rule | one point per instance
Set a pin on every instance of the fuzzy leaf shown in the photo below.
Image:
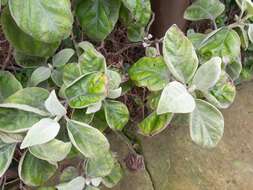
(206, 124)
(42, 132)
(204, 9)
(179, 54)
(62, 57)
(47, 21)
(98, 17)
(89, 89)
(16, 121)
(10, 138)
(114, 79)
(54, 106)
(34, 97)
(150, 72)
(116, 113)
(94, 108)
(77, 183)
(225, 43)
(175, 99)
(6, 154)
(222, 95)
(70, 73)
(68, 174)
(8, 85)
(33, 171)
(23, 42)
(208, 74)
(113, 94)
(88, 140)
(48, 151)
(100, 166)
(41, 74)
(154, 124)
(91, 60)
(114, 177)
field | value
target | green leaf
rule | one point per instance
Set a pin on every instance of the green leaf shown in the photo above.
(42, 132)
(196, 39)
(62, 57)
(28, 61)
(94, 108)
(98, 17)
(54, 106)
(151, 52)
(87, 90)
(206, 124)
(250, 32)
(16, 121)
(234, 68)
(34, 97)
(77, 183)
(208, 74)
(8, 85)
(57, 77)
(175, 99)
(222, 95)
(6, 154)
(41, 74)
(47, 21)
(243, 34)
(99, 121)
(179, 54)
(150, 72)
(246, 5)
(81, 116)
(136, 15)
(114, 177)
(91, 188)
(33, 171)
(204, 9)
(91, 60)
(113, 94)
(154, 124)
(114, 79)
(24, 42)
(53, 151)
(68, 174)
(10, 138)
(225, 43)
(116, 113)
(88, 140)
(100, 166)
(71, 72)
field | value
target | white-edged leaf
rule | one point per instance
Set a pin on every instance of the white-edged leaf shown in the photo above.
(96, 181)
(175, 99)
(53, 151)
(179, 54)
(6, 154)
(204, 9)
(10, 138)
(33, 171)
(94, 108)
(76, 184)
(39, 75)
(62, 57)
(208, 74)
(42, 132)
(206, 124)
(113, 94)
(24, 107)
(250, 32)
(88, 140)
(54, 106)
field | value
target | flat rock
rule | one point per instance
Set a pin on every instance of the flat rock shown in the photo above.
(174, 162)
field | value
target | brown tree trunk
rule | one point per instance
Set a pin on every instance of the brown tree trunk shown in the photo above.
(168, 12)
